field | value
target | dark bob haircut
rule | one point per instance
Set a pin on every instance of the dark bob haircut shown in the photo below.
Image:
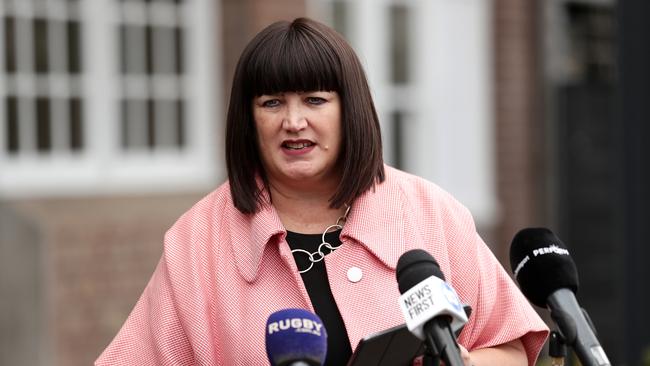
(302, 55)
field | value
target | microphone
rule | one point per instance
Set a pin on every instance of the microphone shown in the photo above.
(548, 277)
(295, 337)
(430, 306)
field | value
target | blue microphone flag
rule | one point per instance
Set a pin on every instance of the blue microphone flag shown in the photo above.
(294, 335)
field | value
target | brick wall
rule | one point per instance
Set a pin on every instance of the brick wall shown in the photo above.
(519, 126)
(97, 255)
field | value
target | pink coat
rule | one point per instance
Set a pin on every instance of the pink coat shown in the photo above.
(223, 273)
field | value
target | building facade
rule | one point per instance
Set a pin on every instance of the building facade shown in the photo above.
(112, 117)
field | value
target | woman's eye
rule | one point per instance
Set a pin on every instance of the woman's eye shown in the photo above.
(315, 100)
(271, 103)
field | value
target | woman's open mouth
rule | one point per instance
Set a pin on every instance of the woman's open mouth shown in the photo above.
(297, 145)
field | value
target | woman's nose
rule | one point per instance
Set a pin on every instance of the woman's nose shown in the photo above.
(294, 119)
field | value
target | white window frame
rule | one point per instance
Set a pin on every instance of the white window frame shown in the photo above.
(103, 166)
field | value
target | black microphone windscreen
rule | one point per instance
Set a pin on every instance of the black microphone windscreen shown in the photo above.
(413, 267)
(541, 264)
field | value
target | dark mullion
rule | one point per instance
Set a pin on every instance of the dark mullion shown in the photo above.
(41, 62)
(180, 124)
(10, 44)
(73, 30)
(123, 50)
(179, 51)
(148, 36)
(124, 105)
(43, 125)
(397, 118)
(151, 124)
(399, 43)
(76, 125)
(13, 134)
(151, 105)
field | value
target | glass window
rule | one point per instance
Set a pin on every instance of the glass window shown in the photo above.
(41, 97)
(152, 57)
(93, 96)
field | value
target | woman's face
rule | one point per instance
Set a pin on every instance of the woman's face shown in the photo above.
(299, 136)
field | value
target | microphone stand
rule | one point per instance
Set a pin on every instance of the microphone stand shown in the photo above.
(430, 360)
(432, 355)
(438, 340)
(557, 348)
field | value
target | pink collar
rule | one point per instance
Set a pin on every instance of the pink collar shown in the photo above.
(376, 221)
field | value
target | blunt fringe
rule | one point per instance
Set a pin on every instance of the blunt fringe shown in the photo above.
(298, 56)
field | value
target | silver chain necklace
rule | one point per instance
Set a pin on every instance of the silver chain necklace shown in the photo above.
(318, 255)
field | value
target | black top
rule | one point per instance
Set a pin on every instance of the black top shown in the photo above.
(320, 293)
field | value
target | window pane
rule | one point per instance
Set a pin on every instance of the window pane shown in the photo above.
(169, 124)
(74, 47)
(134, 124)
(76, 125)
(40, 46)
(43, 125)
(56, 56)
(399, 44)
(133, 49)
(164, 52)
(10, 44)
(340, 16)
(148, 48)
(12, 124)
(179, 50)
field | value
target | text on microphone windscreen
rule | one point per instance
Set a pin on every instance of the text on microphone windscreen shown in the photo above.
(294, 335)
(541, 264)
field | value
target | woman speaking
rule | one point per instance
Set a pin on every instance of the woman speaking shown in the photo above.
(310, 217)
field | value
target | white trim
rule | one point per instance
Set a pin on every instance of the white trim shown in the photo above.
(72, 175)
(99, 46)
(58, 87)
(456, 116)
(206, 117)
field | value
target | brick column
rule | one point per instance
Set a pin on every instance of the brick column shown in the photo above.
(519, 125)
